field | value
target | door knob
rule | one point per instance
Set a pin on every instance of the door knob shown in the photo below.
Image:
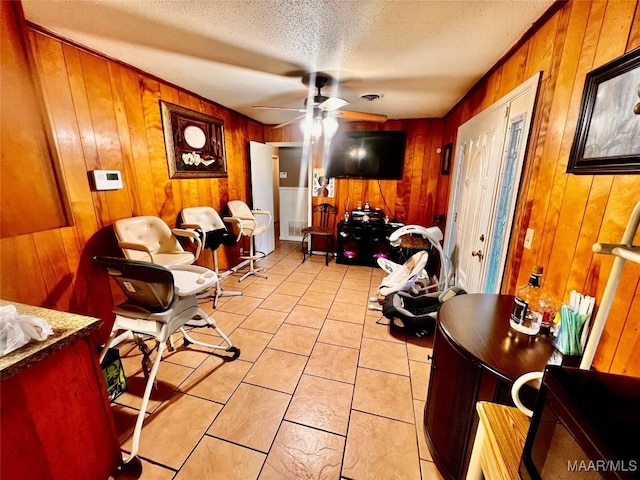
(478, 254)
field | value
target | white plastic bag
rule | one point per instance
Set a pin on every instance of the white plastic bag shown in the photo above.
(17, 330)
(11, 335)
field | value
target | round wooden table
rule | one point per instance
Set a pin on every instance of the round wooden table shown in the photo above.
(476, 357)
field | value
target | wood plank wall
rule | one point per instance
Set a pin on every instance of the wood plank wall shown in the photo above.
(106, 115)
(569, 212)
(417, 198)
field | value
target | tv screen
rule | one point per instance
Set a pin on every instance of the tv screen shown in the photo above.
(377, 154)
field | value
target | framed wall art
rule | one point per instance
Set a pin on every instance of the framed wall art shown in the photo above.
(445, 165)
(607, 139)
(194, 143)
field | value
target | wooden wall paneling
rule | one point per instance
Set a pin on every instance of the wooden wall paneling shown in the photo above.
(431, 172)
(524, 202)
(513, 70)
(491, 90)
(417, 215)
(634, 33)
(140, 161)
(72, 245)
(540, 166)
(30, 195)
(388, 196)
(192, 197)
(85, 126)
(610, 45)
(237, 155)
(613, 41)
(102, 112)
(625, 361)
(178, 188)
(51, 61)
(207, 189)
(56, 273)
(403, 187)
(541, 47)
(621, 321)
(623, 195)
(185, 190)
(20, 271)
(601, 184)
(571, 210)
(560, 135)
(588, 229)
(122, 123)
(165, 204)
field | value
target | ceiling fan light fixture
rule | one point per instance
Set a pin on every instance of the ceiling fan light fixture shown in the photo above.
(333, 103)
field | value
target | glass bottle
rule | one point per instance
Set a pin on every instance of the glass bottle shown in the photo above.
(524, 318)
(547, 309)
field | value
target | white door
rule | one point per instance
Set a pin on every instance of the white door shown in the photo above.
(262, 192)
(482, 143)
(490, 154)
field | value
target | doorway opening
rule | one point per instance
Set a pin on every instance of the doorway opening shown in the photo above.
(291, 189)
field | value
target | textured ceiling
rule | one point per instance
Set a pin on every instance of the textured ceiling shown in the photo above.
(422, 56)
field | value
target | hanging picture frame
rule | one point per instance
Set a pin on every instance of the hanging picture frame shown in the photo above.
(445, 165)
(194, 143)
(607, 139)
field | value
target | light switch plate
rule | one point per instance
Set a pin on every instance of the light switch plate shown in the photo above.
(283, 174)
(528, 239)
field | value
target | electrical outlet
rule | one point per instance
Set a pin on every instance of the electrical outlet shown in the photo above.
(528, 239)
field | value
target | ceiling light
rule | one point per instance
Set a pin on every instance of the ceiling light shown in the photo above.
(330, 127)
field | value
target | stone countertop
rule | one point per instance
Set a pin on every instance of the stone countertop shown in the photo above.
(67, 328)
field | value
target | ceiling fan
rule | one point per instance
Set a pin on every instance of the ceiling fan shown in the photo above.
(325, 107)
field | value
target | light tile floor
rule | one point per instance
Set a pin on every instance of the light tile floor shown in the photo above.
(321, 389)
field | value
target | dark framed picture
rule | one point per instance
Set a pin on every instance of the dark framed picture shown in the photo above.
(445, 165)
(607, 139)
(194, 143)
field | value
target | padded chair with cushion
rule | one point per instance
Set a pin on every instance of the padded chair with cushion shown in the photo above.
(160, 301)
(245, 224)
(325, 226)
(149, 239)
(214, 233)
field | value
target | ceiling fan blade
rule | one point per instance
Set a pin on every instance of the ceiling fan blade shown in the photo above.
(289, 121)
(333, 103)
(364, 117)
(264, 107)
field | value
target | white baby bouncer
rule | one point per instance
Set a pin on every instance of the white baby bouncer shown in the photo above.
(410, 295)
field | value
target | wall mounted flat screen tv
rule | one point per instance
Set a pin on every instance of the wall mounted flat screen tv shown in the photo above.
(376, 154)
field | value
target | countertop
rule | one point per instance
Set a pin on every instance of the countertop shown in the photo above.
(67, 328)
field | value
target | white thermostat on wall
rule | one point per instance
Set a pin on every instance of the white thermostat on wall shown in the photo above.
(107, 179)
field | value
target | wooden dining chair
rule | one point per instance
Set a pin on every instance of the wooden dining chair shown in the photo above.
(326, 216)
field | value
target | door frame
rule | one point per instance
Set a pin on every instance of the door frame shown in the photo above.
(305, 151)
(529, 85)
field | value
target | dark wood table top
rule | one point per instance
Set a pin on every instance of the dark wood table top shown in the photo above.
(478, 325)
